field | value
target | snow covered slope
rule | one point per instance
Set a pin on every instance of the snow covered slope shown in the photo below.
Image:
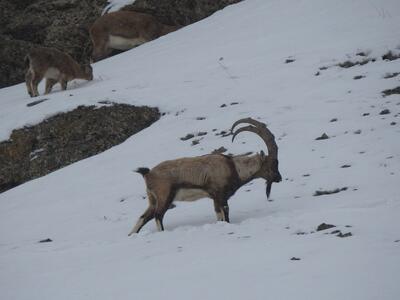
(259, 58)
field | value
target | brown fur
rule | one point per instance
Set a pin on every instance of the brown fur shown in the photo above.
(55, 66)
(214, 175)
(128, 27)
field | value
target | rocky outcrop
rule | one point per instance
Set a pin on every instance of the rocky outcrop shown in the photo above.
(66, 138)
(179, 12)
(61, 140)
(64, 24)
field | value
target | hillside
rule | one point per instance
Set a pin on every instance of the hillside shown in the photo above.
(305, 68)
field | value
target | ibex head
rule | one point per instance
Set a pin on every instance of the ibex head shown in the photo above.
(269, 168)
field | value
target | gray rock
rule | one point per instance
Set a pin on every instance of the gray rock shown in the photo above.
(179, 12)
(324, 226)
(324, 136)
(61, 140)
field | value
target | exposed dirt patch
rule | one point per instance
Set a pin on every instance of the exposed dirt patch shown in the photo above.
(384, 112)
(329, 192)
(223, 133)
(393, 91)
(46, 241)
(63, 139)
(324, 136)
(192, 135)
(202, 133)
(391, 75)
(344, 235)
(220, 150)
(324, 226)
(187, 137)
(348, 63)
(225, 105)
(195, 142)
(391, 56)
(361, 59)
(183, 12)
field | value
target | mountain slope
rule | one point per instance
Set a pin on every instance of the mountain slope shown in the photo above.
(259, 58)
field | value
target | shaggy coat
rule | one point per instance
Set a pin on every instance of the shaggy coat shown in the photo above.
(123, 30)
(55, 66)
(215, 176)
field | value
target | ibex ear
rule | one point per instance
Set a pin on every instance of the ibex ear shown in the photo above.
(262, 154)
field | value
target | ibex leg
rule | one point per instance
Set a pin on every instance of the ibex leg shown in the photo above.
(218, 211)
(64, 85)
(28, 81)
(225, 210)
(49, 85)
(147, 216)
(35, 82)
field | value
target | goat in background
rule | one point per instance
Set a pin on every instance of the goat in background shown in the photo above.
(55, 66)
(123, 30)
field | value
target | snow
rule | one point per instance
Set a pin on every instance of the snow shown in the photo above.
(236, 55)
(115, 5)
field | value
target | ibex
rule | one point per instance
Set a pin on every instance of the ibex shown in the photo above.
(123, 30)
(55, 66)
(215, 176)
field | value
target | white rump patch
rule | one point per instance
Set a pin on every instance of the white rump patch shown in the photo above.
(121, 43)
(52, 73)
(190, 195)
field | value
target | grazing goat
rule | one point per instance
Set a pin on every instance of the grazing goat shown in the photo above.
(215, 176)
(55, 66)
(123, 30)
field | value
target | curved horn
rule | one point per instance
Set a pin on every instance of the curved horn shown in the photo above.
(245, 128)
(261, 130)
(249, 121)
